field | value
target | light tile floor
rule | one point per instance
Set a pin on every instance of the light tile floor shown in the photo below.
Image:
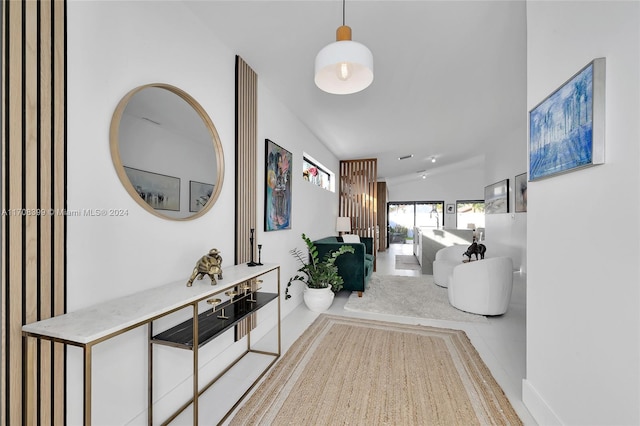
(501, 342)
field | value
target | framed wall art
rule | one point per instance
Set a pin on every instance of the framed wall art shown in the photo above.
(161, 192)
(496, 197)
(451, 208)
(520, 190)
(566, 129)
(277, 197)
(199, 194)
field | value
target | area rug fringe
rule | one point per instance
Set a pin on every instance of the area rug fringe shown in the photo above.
(364, 372)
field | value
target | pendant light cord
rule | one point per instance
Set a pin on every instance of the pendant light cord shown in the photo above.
(343, 1)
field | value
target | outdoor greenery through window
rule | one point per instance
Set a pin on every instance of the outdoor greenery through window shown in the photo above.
(470, 211)
(403, 217)
(315, 173)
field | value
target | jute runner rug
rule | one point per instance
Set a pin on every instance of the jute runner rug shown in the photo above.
(362, 372)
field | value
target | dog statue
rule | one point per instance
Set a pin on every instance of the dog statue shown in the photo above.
(210, 264)
(476, 249)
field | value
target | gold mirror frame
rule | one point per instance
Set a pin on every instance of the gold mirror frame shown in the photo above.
(114, 142)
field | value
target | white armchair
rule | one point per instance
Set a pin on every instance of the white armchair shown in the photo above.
(446, 259)
(482, 287)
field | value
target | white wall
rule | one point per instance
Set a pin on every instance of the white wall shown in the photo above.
(507, 232)
(314, 209)
(448, 184)
(152, 148)
(583, 297)
(112, 48)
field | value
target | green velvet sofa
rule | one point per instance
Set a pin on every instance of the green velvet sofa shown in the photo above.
(354, 268)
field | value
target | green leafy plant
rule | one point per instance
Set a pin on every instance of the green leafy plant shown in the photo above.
(316, 272)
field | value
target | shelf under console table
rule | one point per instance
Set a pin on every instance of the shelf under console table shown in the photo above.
(87, 327)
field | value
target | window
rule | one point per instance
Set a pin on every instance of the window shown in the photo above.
(470, 211)
(404, 216)
(317, 174)
(430, 214)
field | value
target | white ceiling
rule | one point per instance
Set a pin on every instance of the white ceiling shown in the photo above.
(449, 76)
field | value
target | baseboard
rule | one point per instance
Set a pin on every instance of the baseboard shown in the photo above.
(537, 406)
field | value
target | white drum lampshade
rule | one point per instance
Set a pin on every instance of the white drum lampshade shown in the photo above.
(343, 224)
(345, 66)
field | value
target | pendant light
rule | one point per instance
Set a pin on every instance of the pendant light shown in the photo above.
(345, 66)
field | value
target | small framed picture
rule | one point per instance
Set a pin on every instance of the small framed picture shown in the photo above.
(451, 208)
(199, 194)
(161, 192)
(521, 193)
(496, 197)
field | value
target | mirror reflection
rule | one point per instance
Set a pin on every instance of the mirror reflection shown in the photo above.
(167, 152)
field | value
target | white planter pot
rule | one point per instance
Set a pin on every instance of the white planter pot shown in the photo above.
(318, 299)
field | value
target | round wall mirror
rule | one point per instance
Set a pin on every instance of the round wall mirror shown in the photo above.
(167, 152)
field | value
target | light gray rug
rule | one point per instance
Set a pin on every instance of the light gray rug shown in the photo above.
(416, 297)
(407, 261)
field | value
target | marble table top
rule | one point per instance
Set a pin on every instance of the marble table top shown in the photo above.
(100, 321)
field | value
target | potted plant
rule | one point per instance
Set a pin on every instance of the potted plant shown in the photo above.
(320, 276)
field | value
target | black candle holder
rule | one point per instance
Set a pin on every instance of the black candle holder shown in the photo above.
(259, 254)
(252, 263)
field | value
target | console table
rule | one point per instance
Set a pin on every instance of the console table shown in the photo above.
(95, 324)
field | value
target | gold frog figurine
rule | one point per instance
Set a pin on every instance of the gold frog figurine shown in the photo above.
(210, 264)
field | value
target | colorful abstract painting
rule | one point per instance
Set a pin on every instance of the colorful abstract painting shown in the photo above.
(277, 187)
(561, 128)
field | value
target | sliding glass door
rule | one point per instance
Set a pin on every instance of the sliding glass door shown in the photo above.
(402, 217)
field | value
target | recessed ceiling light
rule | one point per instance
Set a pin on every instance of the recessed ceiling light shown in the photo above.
(405, 157)
(424, 176)
(433, 159)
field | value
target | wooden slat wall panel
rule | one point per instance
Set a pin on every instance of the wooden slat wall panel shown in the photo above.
(46, 280)
(59, 164)
(33, 190)
(246, 169)
(358, 196)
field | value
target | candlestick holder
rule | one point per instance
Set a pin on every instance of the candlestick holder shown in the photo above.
(252, 263)
(259, 254)
(244, 287)
(213, 303)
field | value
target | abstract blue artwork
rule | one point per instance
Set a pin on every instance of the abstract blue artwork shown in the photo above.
(566, 130)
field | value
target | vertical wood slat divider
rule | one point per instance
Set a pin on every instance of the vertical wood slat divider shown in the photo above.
(13, 169)
(30, 191)
(59, 146)
(246, 169)
(359, 196)
(33, 182)
(46, 221)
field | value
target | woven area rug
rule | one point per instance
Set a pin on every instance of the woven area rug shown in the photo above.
(407, 261)
(416, 297)
(363, 372)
